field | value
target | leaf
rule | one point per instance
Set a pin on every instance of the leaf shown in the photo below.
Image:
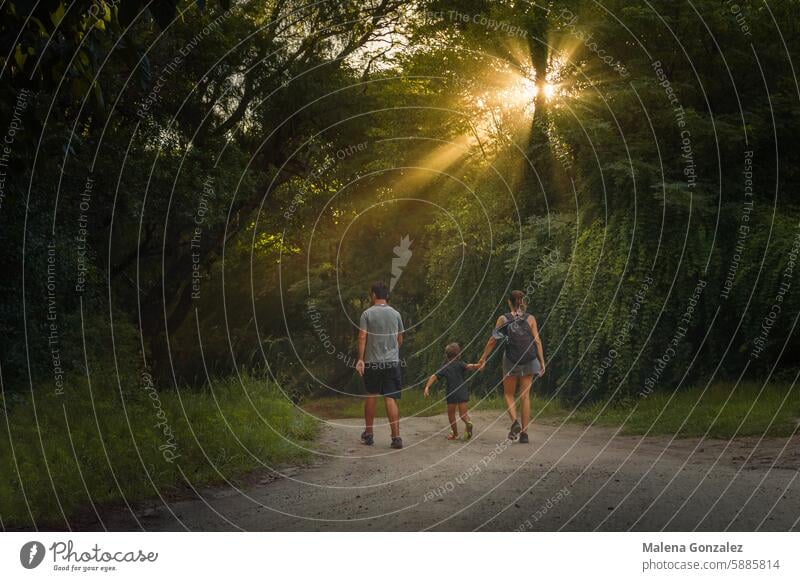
(98, 95)
(57, 16)
(79, 86)
(42, 28)
(20, 57)
(145, 76)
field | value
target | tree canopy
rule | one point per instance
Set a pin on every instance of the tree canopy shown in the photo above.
(198, 188)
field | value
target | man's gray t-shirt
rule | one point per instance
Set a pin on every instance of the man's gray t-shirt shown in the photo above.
(382, 324)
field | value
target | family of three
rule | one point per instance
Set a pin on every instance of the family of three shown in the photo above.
(381, 336)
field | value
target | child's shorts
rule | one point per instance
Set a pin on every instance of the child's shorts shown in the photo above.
(458, 395)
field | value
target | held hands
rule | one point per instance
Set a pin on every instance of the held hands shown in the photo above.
(481, 364)
(360, 367)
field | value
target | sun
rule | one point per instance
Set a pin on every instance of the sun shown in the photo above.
(522, 92)
(527, 90)
(511, 98)
(518, 90)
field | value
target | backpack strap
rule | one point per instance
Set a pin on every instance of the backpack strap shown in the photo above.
(511, 318)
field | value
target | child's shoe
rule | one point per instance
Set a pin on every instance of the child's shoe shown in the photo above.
(468, 434)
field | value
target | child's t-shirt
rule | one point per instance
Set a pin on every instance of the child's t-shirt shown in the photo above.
(453, 373)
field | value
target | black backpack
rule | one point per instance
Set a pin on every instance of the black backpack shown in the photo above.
(520, 344)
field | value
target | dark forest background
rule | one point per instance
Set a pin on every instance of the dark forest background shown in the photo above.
(229, 177)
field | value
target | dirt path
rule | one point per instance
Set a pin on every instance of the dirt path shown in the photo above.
(568, 478)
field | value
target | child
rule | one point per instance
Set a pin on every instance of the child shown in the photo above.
(457, 395)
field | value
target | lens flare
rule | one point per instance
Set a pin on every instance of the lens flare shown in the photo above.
(525, 91)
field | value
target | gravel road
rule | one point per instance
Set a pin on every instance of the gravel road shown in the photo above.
(568, 478)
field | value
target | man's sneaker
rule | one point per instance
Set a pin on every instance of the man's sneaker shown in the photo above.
(397, 443)
(523, 438)
(367, 438)
(515, 430)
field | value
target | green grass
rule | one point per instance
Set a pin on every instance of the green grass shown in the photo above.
(720, 412)
(775, 412)
(414, 404)
(220, 433)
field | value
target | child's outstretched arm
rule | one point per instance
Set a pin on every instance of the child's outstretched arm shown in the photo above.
(428, 385)
(472, 366)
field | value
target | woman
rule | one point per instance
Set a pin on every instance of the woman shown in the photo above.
(522, 360)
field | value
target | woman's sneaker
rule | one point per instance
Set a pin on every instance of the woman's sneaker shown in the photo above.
(515, 430)
(523, 438)
(367, 439)
(397, 443)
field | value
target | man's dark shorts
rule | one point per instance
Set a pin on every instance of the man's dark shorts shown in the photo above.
(382, 379)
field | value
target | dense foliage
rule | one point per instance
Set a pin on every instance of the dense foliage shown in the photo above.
(211, 187)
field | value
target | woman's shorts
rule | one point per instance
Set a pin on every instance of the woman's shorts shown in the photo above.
(521, 370)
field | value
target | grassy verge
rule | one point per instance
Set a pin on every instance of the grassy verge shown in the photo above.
(79, 447)
(720, 412)
(414, 404)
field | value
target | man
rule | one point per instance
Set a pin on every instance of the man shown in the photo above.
(379, 339)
